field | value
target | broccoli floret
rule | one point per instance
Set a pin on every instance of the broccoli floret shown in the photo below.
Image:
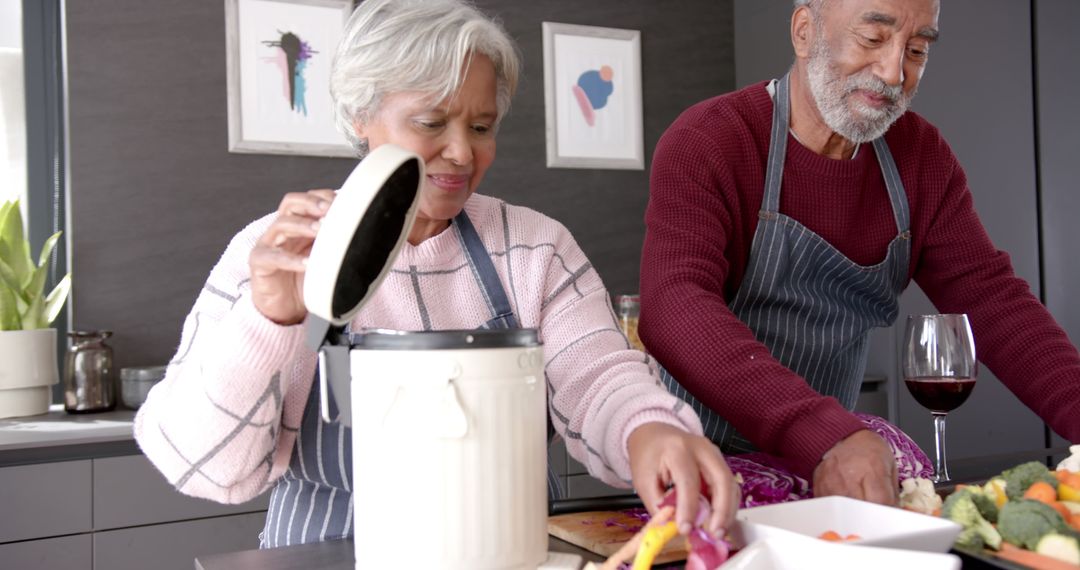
(986, 506)
(985, 502)
(1024, 522)
(970, 539)
(1019, 478)
(960, 508)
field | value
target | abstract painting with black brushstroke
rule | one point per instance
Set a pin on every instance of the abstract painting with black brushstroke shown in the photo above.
(292, 57)
(279, 54)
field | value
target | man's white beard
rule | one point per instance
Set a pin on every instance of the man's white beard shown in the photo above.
(851, 119)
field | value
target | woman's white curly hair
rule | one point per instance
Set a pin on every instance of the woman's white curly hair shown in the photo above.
(390, 46)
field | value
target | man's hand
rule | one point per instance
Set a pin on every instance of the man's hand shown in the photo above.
(861, 466)
(661, 455)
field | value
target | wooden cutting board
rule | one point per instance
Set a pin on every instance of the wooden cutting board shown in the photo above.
(604, 532)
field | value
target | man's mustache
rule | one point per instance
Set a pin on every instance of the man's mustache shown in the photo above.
(874, 85)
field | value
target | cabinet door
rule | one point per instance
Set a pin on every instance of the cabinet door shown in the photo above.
(44, 500)
(175, 546)
(64, 553)
(129, 491)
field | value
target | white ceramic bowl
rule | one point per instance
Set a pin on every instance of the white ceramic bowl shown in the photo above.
(791, 551)
(876, 525)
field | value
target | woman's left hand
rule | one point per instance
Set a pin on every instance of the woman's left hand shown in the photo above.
(662, 455)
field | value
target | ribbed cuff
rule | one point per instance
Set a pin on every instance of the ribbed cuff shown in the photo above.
(813, 434)
(655, 415)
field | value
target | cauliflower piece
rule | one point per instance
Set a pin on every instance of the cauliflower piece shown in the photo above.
(1072, 462)
(918, 494)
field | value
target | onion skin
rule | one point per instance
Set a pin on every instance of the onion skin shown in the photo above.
(706, 552)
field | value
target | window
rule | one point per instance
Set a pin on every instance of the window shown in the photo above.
(12, 103)
(33, 163)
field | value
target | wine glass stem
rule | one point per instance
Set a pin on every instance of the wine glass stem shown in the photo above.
(941, 472)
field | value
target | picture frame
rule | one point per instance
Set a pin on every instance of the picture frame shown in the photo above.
(593, 97)
(278, 61)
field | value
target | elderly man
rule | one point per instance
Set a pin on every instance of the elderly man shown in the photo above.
(784, 221)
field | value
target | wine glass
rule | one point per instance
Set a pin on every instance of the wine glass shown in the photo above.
(940, 370)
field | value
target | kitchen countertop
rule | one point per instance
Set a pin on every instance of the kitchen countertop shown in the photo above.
(338, 555)
(330, 555)
(60, 436)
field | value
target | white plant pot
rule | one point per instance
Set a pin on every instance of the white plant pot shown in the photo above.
(28, 371)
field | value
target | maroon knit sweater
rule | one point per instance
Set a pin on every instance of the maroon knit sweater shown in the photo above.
(708, 177)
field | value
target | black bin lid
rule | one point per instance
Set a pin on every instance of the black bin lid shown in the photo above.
(383, 339)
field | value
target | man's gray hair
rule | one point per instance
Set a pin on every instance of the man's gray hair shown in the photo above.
(814, 5)
(390, 46)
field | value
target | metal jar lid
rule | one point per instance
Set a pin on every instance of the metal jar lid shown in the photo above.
(381, 339)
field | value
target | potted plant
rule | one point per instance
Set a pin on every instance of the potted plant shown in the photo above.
(28, 367)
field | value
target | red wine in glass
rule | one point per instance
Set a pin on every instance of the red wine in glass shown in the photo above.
(942, 393)
(939, 367)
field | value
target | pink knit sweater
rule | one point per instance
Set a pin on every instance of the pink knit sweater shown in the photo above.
(222, 425)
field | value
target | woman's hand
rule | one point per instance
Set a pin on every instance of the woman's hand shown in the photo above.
(280, 256)
(861, 466)
(662, 455)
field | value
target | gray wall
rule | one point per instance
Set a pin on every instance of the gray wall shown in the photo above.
(1058, 73)
(980, 67)
(155, 196)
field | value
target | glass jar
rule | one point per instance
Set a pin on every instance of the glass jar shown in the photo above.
(628, 308)
(89, 385)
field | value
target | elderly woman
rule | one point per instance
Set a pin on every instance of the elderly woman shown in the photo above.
(236, 414)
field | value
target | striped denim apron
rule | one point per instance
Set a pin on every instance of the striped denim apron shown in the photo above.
(803, 299)
(312, 501)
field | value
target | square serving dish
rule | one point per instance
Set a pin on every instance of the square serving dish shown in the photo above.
(791, 551)
(875, 525)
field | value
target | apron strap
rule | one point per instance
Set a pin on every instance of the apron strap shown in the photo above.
(484, 272)
(894, 185)
(774, 167)
(502, 316)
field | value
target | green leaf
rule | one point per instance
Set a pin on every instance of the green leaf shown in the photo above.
(4, 214)
(16, 255)
(31, 317)
(22, 306)
(8, 280)
(36, 286)
(46, 249)
(11, 225)
(55, 301)
(9, 313)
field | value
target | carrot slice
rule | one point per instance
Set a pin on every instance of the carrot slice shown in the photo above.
(1032, 559)
(1041, 491)
(1074, 520)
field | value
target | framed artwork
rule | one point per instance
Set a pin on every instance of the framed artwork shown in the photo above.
(592, 96)
(279, 54)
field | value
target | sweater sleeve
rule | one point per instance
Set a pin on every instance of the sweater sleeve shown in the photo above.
(600, 388)
(1015, 336)
(213, 425)
(686, 322)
